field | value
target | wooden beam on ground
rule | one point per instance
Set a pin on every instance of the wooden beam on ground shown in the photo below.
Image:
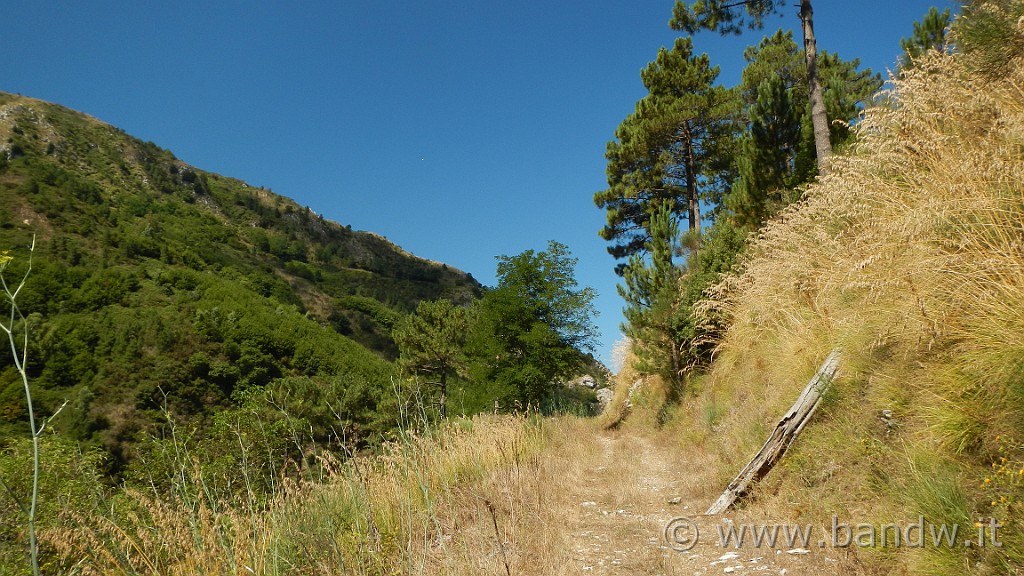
(782, 437)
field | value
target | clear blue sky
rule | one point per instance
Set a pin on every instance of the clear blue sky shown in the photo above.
(459, 129)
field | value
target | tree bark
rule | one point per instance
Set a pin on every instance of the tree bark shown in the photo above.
(819, 117)
(692, 193)
(443, 408)
(782, 437)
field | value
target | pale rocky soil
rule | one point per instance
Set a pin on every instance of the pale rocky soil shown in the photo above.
(633, 486)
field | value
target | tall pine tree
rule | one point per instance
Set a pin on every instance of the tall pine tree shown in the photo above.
(650, 288)
(670, 152)
(731, 16)
(777, 152)
(767, 157)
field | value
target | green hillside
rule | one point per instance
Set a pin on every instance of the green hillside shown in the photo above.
(158, 285)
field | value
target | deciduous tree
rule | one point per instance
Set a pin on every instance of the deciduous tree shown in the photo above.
(536, 323)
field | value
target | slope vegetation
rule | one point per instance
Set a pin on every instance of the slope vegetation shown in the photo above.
(156, 285)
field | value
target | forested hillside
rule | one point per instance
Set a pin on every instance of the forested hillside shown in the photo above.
(184, 338)
(156, 285)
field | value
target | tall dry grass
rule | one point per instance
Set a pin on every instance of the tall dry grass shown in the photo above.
(909, 257)
(472, 498)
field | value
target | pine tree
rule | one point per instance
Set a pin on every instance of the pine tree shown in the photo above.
(767, 154)
(777, 152)
(432, 343)
(929, 34)
(730, 17)
(649, 287)
(669, 151)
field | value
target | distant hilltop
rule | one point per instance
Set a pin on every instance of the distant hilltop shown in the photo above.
(157, 282)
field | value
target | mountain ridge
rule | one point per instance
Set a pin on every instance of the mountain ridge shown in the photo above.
(233, 286)
(14, 108)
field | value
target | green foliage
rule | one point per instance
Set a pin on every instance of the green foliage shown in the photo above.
(271, 432)
(729, 18)
(929, 34)
(673, 150)
(723, 16)
(575, 400)
(650, 291)
(669, 338)
(533, 327)
(433, 345)
(847, 91)
(156, 278)
(767, 162)
(1003, 495)
(774, 56)
(776, 154)
(719, 255)
(70, 483)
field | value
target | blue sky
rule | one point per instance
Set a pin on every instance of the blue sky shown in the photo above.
(459, 129)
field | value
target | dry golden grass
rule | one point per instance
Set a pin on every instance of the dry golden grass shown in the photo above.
(637, 395)
(626, 378)
(910, 258)
(466, 500)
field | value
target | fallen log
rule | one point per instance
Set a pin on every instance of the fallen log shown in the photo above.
(782, 437)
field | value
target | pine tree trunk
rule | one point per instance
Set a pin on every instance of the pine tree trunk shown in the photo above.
(692, 197)
(443, 408)
(819, 118)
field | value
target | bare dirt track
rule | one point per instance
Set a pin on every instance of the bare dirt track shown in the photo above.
(633, 486)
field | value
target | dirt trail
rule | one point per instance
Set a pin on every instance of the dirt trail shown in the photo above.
(631, 489)
(624, 496)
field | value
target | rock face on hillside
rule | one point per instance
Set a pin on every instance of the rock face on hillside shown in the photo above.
(156, 282)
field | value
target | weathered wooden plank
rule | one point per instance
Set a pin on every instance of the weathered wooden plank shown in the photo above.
(785, 432)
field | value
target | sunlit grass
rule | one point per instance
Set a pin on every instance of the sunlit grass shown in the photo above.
(422, 506)
(908, 257)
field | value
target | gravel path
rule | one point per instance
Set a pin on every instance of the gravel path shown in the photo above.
(629, 492)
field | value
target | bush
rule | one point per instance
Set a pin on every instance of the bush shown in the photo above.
(70, 484)
(991, 36)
